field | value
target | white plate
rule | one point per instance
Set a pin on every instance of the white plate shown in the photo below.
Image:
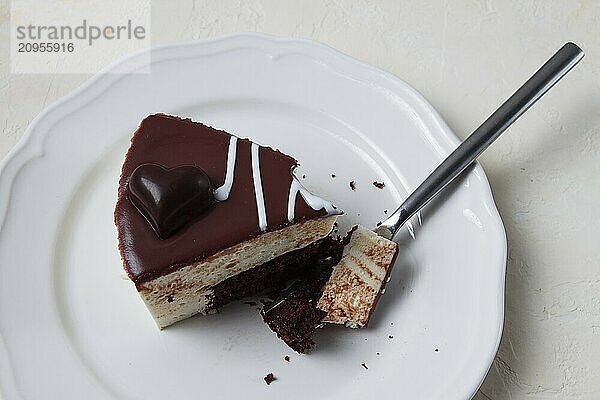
(72, 328)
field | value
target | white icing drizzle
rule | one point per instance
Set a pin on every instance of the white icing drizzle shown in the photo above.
(258, 190)
(222, 192)
(315, 202)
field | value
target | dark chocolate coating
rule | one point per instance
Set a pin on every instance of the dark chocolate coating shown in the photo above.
(170, 199)
(172, 142)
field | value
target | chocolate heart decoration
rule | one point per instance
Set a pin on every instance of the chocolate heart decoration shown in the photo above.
(170, 199)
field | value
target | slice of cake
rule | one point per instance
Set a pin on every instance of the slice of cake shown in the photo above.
(205, 218)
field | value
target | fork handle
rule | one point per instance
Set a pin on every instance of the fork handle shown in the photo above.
(550, 73)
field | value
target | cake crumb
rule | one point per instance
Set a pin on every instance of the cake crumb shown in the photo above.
(287, 358)
(364, 366)
(352, 185)
(269, 378)
(379, 185)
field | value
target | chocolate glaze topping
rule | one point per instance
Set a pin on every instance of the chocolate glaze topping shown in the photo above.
(172, 142)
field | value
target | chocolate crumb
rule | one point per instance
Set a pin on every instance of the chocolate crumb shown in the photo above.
(303, 176)
(437, 350)
(391, 336)
(385, 211)
(391, 323)
(287, 358)
(333, 175)
(250, 303)
(352, 185)
(170, 298)
(364, 366)
(378, 353)
(379, 223)
(269, 378)
(379, 185)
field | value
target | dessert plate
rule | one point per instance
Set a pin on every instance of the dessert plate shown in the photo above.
(71, 326)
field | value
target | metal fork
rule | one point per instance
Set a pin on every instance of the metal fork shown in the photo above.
(465, 154)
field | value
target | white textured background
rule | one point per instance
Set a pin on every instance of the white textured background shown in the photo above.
(466, 57)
